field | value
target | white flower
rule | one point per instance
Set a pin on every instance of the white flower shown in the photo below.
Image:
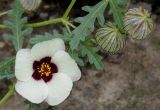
(46, 72)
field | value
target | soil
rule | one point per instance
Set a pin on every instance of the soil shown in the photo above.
(130, 81)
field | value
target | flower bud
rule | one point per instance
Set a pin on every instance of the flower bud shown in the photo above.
(30, 5)
(110, 38)
(138, 23)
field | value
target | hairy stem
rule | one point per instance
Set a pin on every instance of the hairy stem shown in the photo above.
(8, 95)
(39, 24)
(44, 23)
(48, 22)
(69, 9)
(2, 26)
(4, 13)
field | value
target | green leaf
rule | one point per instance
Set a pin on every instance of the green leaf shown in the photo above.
(87, 22)
(5, 67)
(75, 55)
(27, 31)
(47, 36)
(6, 62)
(91, 53)
(31, 106)
(122, 2)
(117, 13)
(16, 25)
(7, 74)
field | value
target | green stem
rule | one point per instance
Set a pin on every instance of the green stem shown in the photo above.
(39, 24)
(8, 95)
(69, 9)
(48, 22)
(3, 26)
(4, 13)
(44, 23)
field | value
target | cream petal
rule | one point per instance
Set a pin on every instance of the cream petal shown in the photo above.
(47, 48)
(23, 65)
(32, 90)
(59, 89)
(66, 65)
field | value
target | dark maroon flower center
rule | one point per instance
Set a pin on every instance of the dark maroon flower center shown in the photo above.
(44, 69)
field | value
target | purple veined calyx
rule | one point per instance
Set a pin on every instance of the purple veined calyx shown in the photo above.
(109, 38)
(30, 5)
(138, 23)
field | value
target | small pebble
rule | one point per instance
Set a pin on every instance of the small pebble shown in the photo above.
(43, 15)
(2, 44)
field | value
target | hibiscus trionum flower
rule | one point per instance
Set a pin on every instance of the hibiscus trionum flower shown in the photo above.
(46, 72)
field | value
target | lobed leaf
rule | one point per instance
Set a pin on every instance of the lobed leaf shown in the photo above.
(47, 36)
(5, 68)
(16, 25)
(6, 62)
(122, 2)
(117, 13)
(31, 106)
(75, 55)
(87, 22)
(91, 53)
(6, 75)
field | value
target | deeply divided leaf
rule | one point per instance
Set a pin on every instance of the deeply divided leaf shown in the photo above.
(75, 55)
(91, 54)
(6, 62)
(47, 36)
(31, 106)
(117, 13)
(7, 74)
(87, 22)
(5, 68)
(16, 25)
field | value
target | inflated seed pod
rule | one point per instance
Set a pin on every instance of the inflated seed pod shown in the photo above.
(30, 5)
(109, 38)
(138, 23)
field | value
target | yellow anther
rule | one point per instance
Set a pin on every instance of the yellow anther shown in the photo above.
(45, 69)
